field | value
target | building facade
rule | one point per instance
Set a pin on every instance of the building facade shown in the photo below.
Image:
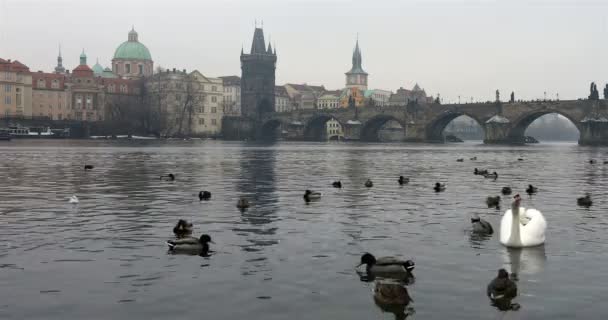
(352, 97)
(49, 96)
(282, 101)
(232, 95)
(15, 89)
(378, 97)
(329, 100)
(304, 96)
(188, 104)
(84, 93)
(334, 130)
(258, 78)
(404, 96)
(356, 77)
(132, 59)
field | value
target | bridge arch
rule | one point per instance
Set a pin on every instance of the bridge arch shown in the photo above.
(271, 129)
(315, 127)
(370, 129)
(434, 130)
(519, 125)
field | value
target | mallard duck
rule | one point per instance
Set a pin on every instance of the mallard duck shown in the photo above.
(73, 199)
(460, 160)
(403, 180)
(474, 158)
(242, 204)
(480, 172)
(182, 228)
(337, 184)
(88, 167)
(506, 191)
(592, 161)
(439, 187)
(502, 287)
(481, 226)
(369, 183)
(388, 267)
(168, 177)
(191, 245)
(311, 195)
(493, 202)
(204, 195)
(585, 201)
(531, 189)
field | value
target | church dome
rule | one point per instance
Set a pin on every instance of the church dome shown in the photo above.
(97, 69)
(132, 49)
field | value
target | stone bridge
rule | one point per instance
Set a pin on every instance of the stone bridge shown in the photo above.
(502, 122)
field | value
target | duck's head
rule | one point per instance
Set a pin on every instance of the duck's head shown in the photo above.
(367, 259)
(409, 265)
(183, 225)
(171, 176)
(503, 274)
(437, 184)
(206, 239)
(307, 193)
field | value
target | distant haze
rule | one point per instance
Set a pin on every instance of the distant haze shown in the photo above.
(466, 48)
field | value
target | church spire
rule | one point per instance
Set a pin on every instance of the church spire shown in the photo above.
(257, 45)
(59, 68)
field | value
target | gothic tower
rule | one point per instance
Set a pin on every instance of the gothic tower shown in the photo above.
(257, 78)
(356, 77)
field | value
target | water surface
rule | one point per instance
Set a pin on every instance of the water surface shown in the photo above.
(282, 259)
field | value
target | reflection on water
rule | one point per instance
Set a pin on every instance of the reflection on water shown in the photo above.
(283, 258)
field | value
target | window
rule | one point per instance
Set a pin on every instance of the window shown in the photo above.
(213, 122)
(89, 102)
(78, 102)
(41, 83)
(141, 69)
(7, 100)
(123, 88)
(213, 88)
(201, 121)
(127, 68)
(18, 99)
(7, 88)
(201, 110)
(214, 110)
(88, 80)
(111, 88)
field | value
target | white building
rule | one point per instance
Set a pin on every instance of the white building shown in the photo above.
(329, 100)
(334, 130)
(232, 95)
(282, 102)
(379, 97)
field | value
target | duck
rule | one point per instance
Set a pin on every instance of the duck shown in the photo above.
(369, 183)
(480, 172)
(460, 160)
(474, 158)
(392, 297)
(502, 287)
(531, 189)
(605, 161)
(88, 167)
(73, 199)
(585, 201)
(242, 204)
(521, 227)
(491, 175)
(204, 195)
(191, 245)
(337, 184)
(403, 180)
(311, 195)
(387, 267)
(481, 226)
(168, 177)
(591, 161)
(182, 228)
(493, 202)
(520, 159)
(506, 191)
(439, 187)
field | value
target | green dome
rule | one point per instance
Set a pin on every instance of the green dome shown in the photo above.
(97, 69)
(132, 49)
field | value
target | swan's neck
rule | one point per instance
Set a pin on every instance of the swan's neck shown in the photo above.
(515, 238)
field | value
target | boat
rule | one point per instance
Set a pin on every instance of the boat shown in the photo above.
(34, 132)
(5, 135)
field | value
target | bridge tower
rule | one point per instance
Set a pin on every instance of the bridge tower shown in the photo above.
(258, 78)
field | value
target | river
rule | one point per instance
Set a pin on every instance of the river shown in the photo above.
(106, 257)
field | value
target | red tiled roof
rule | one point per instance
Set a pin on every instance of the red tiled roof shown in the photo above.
(82, 71)
(15, 66)
(48, 77)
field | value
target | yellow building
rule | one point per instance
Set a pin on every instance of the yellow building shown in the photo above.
(352, 97)
(334, 130)
(15, 89)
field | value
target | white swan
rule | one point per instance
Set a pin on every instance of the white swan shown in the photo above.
(521, 227)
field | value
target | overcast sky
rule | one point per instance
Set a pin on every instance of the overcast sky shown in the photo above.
(466, 48)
